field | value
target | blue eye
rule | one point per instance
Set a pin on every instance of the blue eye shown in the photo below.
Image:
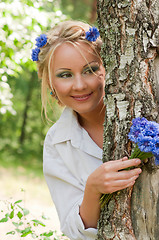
(64, 75)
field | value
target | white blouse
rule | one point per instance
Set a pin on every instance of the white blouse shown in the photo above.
(70, 156)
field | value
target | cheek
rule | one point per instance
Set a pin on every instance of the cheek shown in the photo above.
(61, 88)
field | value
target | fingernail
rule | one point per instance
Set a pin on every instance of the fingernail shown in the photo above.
(140, 170)
(138, 161)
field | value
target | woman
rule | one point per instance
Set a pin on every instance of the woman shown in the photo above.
(69, 63)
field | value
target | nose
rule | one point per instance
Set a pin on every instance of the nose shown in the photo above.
(79, 82)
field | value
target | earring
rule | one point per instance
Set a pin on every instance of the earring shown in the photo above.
(53, 93)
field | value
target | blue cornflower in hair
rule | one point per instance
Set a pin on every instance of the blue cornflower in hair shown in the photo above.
(92, 34)
(41, 40)
(35, 53)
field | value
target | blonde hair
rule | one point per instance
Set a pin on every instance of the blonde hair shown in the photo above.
(68, 31)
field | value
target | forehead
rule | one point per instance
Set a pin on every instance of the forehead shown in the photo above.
(68, 54)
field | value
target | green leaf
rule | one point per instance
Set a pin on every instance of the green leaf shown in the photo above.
(37, 222)
(26, 231)
(19, 201)
(25, 211)
(47, 234)
(5, 219)
(12, 233)
(25, 234)
(11, 215)
(20, 215)
(17, 224)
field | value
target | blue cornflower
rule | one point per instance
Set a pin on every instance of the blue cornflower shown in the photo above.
(137, 128)
(134, 133)
(151, 129)
(92, 34)
(35, 53)
(41, 40)
(155, 146)
(139, 122)
(144, 143)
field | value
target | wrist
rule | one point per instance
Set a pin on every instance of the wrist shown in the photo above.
(92, 189)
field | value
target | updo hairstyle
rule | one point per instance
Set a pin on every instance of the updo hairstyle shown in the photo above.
(67, 31)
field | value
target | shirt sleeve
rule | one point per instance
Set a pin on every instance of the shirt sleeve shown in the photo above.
(66, 192)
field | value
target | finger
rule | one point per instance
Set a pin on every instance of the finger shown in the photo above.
(124, 159)
(123, 164)
(124, 186)
(126, 174)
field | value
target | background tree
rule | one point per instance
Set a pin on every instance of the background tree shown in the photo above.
(130, 31)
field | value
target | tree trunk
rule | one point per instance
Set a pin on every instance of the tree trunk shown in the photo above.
(130, 33)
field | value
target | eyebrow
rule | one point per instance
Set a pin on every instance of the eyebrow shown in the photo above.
(70, 69)
(89, 63)
(63, 69)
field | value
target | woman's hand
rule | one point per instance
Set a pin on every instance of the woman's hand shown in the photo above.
(111, 176)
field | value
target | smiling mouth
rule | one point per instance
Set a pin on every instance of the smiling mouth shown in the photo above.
(83, 97)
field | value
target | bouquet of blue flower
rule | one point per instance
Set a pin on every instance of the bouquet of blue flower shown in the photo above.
(145, 135)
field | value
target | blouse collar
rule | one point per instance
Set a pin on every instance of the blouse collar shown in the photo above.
(69, 129)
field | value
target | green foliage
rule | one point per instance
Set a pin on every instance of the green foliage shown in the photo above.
(80, 10)
(20, 26)
(22, 129)
(21, 125)
(24, 225)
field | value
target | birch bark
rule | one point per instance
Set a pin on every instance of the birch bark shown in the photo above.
(130, 33)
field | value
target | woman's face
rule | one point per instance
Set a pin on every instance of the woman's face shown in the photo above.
(78, 77)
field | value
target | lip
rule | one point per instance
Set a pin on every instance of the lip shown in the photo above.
(82, 97)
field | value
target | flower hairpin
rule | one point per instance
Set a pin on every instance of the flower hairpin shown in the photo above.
(41, 41)
(92, 34)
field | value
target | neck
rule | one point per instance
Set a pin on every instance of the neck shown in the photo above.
(94, 118)
(92, 122)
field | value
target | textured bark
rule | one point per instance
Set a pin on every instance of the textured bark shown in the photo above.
(130, 32)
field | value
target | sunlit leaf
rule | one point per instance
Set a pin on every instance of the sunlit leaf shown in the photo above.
(26, 231)
(11, 215)
(19, 201)
(17, 224)
(19, 215)
(37, 222)
(5, 219)
(12, 233)
(49, 234)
